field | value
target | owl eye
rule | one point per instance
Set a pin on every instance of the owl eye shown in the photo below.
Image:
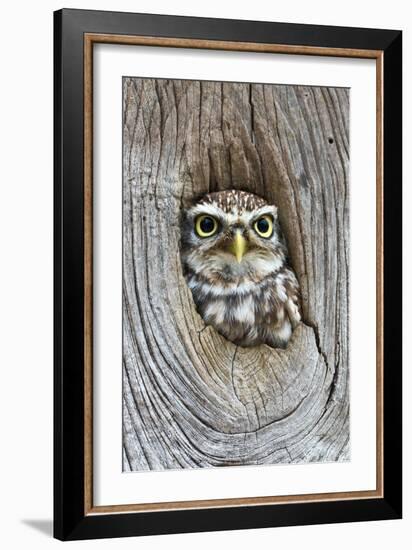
(264, 226)
(205, 226)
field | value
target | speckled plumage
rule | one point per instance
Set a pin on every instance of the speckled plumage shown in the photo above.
(252, 301)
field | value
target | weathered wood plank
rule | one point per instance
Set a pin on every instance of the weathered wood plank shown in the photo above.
(191, 398)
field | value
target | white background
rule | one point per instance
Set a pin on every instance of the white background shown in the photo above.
(112, 486)
(26, 275)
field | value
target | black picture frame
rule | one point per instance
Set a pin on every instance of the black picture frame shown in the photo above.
(70, 520)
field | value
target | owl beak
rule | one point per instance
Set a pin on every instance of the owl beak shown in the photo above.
(239, 246)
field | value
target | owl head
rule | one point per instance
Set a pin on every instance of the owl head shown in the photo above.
(232, 236)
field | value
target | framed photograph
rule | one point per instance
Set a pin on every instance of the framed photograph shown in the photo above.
(227, 274)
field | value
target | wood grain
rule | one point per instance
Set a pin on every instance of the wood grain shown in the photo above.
(191, 398)
(205, 44)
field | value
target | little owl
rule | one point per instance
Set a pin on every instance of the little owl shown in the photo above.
(235, 263)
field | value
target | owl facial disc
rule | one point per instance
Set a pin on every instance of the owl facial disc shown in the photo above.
(231, 237)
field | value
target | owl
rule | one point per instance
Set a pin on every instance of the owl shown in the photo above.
(234, 260)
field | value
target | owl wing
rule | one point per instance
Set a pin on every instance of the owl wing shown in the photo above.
(292, 304)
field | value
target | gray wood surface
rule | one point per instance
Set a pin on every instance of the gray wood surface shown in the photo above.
(191, 398)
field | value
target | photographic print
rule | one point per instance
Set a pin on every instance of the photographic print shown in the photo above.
(235, 274)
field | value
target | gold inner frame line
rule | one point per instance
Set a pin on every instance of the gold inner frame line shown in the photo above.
(89, 40)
